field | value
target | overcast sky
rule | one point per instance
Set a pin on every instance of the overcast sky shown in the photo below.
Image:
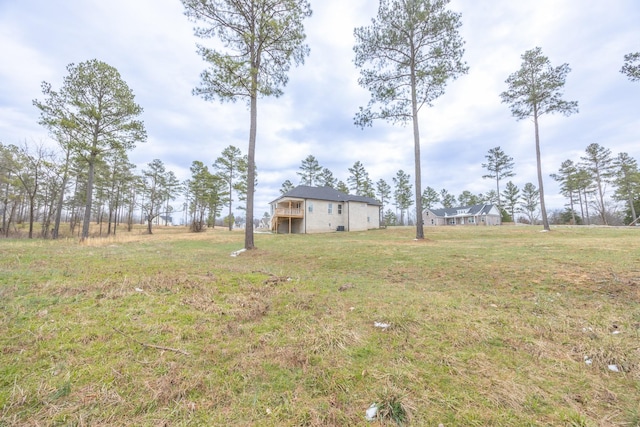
(151, 44)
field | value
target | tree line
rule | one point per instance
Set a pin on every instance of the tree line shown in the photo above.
(48, 188)
(584, 184)
(406, 57)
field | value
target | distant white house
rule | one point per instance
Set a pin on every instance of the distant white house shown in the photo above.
(163, 220)
(306, 210)
(486, 214)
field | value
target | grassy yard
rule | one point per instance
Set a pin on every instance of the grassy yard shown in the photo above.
(503, 326)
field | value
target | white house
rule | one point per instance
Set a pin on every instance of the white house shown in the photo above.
(486, 214)
(308, 209)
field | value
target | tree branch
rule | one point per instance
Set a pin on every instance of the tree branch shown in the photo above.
(157, 347)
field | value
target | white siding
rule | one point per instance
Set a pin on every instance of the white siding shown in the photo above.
(349, 216)
(358, 216)
(320, 220)
(373, 214)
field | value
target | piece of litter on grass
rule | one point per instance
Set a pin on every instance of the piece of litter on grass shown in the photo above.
(381, 325)
(614, 368)
(351, 308)
(372, 412)
(588, 360)
(615, 332)
(238, 252)
(139, 290)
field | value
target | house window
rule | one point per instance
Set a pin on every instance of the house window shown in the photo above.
(368, 219)
(310, 207)
(339, 209)
(330, 208)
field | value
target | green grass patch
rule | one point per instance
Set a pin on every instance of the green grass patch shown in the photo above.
(482, 326)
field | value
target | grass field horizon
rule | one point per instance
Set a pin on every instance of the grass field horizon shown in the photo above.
(481, 326)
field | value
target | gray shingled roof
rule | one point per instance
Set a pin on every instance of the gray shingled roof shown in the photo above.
(469, 210)
(326, 193)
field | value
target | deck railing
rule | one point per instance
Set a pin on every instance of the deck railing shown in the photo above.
(288, 212)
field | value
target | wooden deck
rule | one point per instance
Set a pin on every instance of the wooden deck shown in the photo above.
(289, 213)
(286, 214)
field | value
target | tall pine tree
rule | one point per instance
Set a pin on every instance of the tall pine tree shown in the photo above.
(406, 56)
(533, 91)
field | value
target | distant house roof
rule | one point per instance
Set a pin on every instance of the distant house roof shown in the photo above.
(463, 210)
(326, 193)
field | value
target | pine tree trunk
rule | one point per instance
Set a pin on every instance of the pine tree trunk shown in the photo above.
(543, 209)
(416, 154)
(251, 179)
(89, 195)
